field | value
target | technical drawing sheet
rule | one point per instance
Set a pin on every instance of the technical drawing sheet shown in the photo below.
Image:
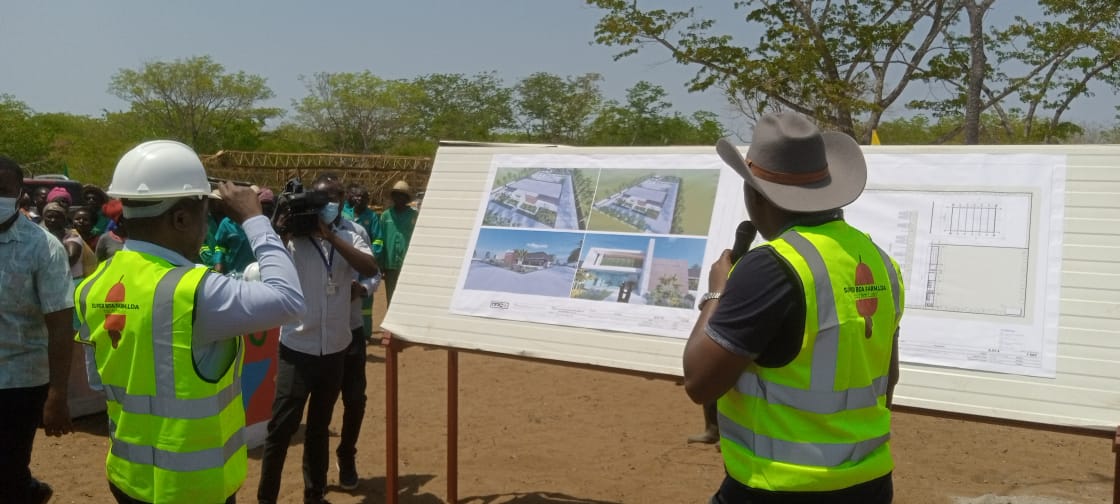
(979, 241)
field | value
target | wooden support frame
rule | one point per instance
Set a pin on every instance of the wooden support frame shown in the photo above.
(392, 349)
(394, 346)
(1116, 468)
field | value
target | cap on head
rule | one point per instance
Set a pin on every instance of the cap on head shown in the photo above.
(58, 193)
(798, 168)
(402, 187)
(54, 206)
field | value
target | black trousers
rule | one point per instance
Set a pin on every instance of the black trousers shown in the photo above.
(23, 412)
(353, 396)
(301, 380)
(877, 491)
(123, 498)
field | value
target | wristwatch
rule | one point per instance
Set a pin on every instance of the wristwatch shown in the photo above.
(708, 296)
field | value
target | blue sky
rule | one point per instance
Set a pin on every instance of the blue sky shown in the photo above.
(499, 240)
(689, 249)
(59, 55)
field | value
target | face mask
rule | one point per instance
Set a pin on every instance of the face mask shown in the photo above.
(329, 213)
(8, 208)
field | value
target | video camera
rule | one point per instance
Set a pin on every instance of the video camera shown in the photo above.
(297, 209)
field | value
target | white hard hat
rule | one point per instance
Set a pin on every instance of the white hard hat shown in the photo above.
(159, 170)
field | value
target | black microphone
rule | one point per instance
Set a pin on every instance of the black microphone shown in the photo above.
(744, 236)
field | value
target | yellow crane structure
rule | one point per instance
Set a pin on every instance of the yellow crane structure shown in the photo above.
(377, 173)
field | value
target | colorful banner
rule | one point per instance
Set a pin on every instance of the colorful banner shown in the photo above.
(258, 382)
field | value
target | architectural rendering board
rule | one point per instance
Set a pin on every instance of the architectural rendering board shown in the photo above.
(962, 220)
(618, 243)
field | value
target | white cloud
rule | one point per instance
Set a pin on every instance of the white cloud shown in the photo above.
(536, 245)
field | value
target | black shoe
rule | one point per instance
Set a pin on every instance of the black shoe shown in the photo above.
(347, 474)
(40, 492)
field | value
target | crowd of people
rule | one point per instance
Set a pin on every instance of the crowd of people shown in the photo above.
(103, 264)
(794, 353)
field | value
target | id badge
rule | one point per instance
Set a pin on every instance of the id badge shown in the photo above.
(331, 288)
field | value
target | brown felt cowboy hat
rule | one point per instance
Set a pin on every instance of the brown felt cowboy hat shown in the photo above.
(797, 167)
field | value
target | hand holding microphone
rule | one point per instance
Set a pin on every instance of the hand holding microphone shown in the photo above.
(744, 236)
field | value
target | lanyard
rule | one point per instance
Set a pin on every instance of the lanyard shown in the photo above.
(328, 259)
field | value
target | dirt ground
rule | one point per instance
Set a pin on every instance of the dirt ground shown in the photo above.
(532, 433)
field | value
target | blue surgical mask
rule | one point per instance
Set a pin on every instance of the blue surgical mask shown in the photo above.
(329, 213)
(8, 208)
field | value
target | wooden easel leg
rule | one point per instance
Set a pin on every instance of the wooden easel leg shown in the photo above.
(391, 482)
(1116, 468)
(452, 426)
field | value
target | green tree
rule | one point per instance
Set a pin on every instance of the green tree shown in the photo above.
(1008, 127)
(356, 112)
(88, 148)
(554, 109)
(1041, 67)
(840, 62)
(667, 292)
(573, 256)
(645, 120)
(292, 137)
(20, 137)
(458, 107)
(196, 101)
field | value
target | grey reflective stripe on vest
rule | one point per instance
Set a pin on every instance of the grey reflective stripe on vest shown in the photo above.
(83, 329)
(175, 461)
(163, 326)
(813, 401)
(806, 454)
(826, 346)
(895, 287)
(162, 406)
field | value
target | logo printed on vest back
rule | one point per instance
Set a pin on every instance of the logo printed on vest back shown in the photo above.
(866, 289)
(114, 322)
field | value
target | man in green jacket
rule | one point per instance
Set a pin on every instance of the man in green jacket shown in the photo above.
(397, 223)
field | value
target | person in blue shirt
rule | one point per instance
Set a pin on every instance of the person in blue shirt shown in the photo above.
(36, 307)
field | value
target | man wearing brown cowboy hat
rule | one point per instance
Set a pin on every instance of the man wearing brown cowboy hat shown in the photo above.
(797, 339)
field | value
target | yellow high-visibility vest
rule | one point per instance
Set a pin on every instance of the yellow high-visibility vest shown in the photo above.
(174, 437)
(821, 422)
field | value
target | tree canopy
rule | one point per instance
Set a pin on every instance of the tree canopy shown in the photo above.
(196, 101)
(847, 62)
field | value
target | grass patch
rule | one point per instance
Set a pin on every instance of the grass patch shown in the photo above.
(698, 198)
(604, 222)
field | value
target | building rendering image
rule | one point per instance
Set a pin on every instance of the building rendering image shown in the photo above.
(646, 205)
(524, 262)
(639, 270)
(535, 198)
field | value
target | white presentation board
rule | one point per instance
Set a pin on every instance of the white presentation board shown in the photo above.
(1042, 240)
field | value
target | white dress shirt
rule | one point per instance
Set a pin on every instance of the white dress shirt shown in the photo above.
(369, 283)
(325, 277)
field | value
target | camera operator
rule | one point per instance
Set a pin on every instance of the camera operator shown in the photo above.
(312, 350)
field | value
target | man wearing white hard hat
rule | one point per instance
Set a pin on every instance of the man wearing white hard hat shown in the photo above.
(397, 223)
(166, 331)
